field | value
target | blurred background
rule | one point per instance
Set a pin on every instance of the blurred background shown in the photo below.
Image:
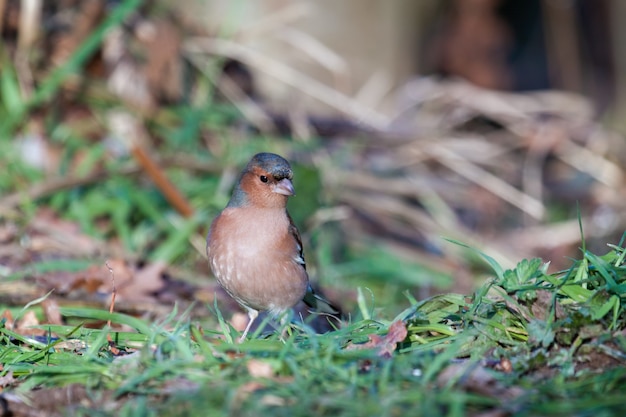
(415, 128)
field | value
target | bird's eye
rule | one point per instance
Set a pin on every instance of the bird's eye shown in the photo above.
(263, 178)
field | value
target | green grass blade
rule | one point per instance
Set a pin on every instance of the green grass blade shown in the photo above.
(102, 315)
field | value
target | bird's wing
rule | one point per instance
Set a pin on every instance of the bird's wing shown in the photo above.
(311, 298)
(293, 231)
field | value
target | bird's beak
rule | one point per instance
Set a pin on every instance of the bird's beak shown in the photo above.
(284, 187)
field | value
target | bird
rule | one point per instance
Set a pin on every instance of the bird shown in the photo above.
(254, 248)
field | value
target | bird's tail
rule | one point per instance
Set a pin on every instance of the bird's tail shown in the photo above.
(320, 304)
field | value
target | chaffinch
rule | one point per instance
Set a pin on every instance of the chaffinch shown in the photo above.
(254, 248)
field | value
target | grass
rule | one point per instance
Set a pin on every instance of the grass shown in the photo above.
(524, 343)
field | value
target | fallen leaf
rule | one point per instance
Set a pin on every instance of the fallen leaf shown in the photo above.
(478, 379)
(385, 345)
(246, 389)
(130, 284)
(179, 384)
(7, 379)
(8, 319)
(543, 305)
(97, 278)
(48, 233)
(72, 345)
(27, 322)
(504, 365)
(397, 333)
(259, 369)
(162, 67)
(143, 283)
(8, 232)
(52, 312)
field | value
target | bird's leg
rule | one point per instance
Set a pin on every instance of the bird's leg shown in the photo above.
(252, 315)
(285, 324)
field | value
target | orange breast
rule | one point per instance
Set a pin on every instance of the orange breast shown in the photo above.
(254, 258)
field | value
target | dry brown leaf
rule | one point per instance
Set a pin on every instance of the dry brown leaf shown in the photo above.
(132, 285)
(543, 305)
(143, 283)
(8, 317)
(259, 369)
(50, 234)
(385, 345)
(504, 365)
(28, 319)
(26, 323)
(8, 232)
(477, 379)
(114, 272)
(137, 289)
(83, 22)
(73, 345)
(246, 389)
(52, 312)
(7, 379)
(64, 282)
(180, 384)
(163, 65)
(97, 278)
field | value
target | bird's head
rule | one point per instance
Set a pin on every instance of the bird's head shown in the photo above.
(264, 182)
